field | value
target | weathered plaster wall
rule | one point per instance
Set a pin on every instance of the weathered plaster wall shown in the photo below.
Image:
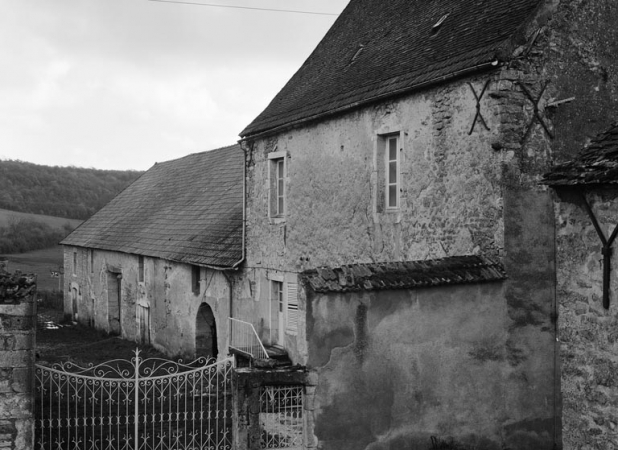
(166, 291)
(462, 194)
(451, 198)
(396, 367)
(17, 347)
(588, 332)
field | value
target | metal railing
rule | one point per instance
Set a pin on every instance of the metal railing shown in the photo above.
(244, 338)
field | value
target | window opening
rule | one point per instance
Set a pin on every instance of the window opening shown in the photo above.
(140, 271)
(392, 172)
(277, 311)
(280, 188)
(195, 279)
(277, 174)
(74, 263)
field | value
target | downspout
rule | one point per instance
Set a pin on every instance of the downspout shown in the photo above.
(244, 224)
(606, 250)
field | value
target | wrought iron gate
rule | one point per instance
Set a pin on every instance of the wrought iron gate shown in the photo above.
(281, 417)
(141, 404)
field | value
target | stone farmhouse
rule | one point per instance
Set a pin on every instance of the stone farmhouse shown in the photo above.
(149, 265)
(382, 224)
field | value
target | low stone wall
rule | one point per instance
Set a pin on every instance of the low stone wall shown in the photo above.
(17, 342)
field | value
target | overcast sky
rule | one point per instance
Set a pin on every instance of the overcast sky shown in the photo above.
(122, 84)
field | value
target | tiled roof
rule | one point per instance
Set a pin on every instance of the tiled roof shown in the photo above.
(187, 210)
(597, 163)
(378, 49)
(404, 275)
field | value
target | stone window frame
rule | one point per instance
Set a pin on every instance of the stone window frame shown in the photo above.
(381, 164)
(277, 186)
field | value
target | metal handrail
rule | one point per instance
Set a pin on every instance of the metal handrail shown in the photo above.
(245, 339)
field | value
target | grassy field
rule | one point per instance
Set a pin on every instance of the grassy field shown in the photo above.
(41, 262)
(56, 222)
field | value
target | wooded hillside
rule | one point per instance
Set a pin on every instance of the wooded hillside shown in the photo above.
(70, 192)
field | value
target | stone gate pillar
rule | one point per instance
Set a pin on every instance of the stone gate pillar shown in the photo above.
(17, 343)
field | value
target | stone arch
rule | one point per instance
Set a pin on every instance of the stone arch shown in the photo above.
(205, 332)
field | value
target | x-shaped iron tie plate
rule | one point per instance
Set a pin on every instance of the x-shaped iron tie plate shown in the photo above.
(536, 110)
(478, 115)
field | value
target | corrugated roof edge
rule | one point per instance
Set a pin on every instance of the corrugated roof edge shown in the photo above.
(404, 275)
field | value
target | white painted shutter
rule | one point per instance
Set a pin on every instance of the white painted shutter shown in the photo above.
(292, 322)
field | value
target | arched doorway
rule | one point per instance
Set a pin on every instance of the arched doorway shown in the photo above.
(205, 332)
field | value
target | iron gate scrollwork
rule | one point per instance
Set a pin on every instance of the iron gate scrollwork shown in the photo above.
(281, 417)
(141, 404)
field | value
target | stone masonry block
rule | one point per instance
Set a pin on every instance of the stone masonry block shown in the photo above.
(15, 406)
(509, 74)
(20, 358)
(22, 380)
(5, 387)
(16, 323)
(23, 309)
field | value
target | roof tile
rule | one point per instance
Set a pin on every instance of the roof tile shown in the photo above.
(405, 275)
(597, 163)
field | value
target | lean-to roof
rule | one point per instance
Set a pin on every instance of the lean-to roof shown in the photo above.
(404, 275)
(597, 163)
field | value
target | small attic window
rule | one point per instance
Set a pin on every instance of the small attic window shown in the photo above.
(436, 27)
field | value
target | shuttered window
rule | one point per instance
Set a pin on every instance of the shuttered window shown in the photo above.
(292, 310)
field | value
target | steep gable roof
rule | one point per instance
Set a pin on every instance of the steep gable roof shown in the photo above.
(596, 163)
(377, 49)
(404, 275)
(187, 210)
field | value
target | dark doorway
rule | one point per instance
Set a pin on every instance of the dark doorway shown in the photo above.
(205, 333)
(113, 302)
(74, 303)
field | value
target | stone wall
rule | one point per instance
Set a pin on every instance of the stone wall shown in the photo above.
(17, 341)
(166, 293)
(588, 336)
(575, 56)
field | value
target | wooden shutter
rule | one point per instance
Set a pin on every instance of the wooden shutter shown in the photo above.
(292, 319)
